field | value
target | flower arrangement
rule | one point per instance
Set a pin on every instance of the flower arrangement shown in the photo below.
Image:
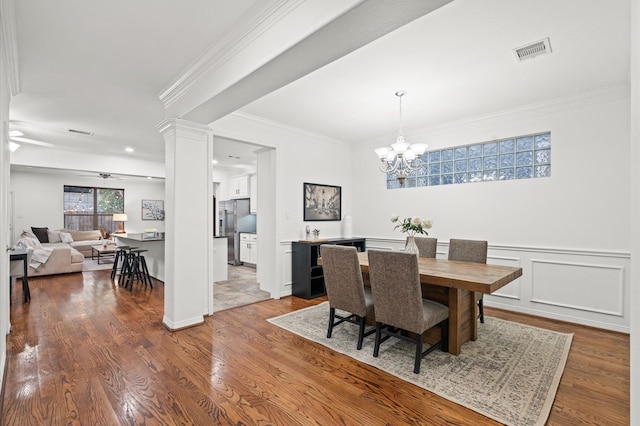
(412, 225)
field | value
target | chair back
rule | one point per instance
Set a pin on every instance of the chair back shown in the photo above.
(395, 287)
(343, 278)
(427, 246)
(468, 250)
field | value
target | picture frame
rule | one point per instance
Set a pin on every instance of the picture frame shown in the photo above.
(152, 210)
(322, 202)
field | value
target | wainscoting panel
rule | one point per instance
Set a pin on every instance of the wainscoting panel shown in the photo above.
(580, 286)
(584, 286)
(513, 290)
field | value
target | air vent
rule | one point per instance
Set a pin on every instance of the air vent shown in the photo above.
(532, 50)
(82, 132)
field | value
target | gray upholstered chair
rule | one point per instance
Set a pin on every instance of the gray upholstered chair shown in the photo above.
(470, 251)
(345, 288)
(398, 303)
(427, 246)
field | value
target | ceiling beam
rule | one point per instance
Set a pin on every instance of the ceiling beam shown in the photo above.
(357, 27)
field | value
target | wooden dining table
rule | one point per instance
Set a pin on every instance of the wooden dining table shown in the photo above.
(453, 283)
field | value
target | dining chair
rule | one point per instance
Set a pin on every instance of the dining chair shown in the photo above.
(426, 246)
(398, 304)
(470, 251)
(345, 289)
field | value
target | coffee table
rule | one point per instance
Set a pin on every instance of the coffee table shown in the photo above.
(100, 252)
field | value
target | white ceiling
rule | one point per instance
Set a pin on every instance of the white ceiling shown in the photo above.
(98, 66)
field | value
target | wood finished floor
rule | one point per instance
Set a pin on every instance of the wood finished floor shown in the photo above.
(85, 351)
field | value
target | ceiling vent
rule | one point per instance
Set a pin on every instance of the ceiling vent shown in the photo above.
(532, 50)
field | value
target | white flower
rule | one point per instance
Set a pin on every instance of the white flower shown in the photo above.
(415, 220)
(395, 217)
(427, 223)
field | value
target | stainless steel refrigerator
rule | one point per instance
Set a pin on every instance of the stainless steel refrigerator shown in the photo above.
(234, 219)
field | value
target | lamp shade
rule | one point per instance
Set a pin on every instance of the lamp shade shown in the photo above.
(119, 217)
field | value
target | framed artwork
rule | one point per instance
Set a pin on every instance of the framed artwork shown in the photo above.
(322, 202)
(152, 210)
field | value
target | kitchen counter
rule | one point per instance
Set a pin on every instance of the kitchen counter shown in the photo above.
(153, 242)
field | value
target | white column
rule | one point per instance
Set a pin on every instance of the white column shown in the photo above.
(186, 222)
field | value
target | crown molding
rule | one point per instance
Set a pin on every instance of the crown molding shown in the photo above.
(257, 21)
(562, 103)
(10, 45)
(289, 128)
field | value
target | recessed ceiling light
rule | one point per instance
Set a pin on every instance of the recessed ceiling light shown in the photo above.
(214, 161)
(129, 149)
(149, 177)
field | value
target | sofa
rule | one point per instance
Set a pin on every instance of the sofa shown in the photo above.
(63, 252)
(80, 240)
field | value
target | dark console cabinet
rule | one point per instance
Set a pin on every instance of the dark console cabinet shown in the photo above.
(308, 279)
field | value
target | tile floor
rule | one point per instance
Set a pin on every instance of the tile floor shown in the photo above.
(240, 289)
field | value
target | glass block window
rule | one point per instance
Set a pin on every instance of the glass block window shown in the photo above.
(521, 157)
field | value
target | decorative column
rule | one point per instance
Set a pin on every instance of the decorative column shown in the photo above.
(186, 222)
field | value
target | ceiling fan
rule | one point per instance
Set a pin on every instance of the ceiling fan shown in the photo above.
(106, 176)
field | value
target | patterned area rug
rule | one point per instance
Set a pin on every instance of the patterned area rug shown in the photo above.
(510, 374)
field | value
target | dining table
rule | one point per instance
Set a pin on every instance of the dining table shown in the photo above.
(453, 284)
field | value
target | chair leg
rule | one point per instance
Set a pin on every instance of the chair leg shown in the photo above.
(145, 271)
(376, 347)
(361, 332)
(481, 311)
(444, 335)
(416, 366)
(332, 316)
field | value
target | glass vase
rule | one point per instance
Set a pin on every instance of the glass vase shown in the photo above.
(411, 246)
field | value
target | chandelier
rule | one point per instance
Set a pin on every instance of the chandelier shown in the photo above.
(400, 159)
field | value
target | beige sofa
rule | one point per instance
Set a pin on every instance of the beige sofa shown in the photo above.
(82, 240)
(63, 260)
(57, 257)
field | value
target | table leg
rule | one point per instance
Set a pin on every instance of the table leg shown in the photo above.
(463, 325)
(455, 321)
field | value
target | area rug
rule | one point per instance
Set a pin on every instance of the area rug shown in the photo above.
(510, 374)
(92, 265)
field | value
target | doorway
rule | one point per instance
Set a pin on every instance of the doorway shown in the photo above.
(233, 160)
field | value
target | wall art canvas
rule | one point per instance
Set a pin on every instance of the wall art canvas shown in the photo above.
(322, 202)
(152, 210)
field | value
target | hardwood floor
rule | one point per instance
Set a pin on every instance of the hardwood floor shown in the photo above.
(85, 351)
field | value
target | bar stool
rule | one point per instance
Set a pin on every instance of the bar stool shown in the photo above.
(120, 261)
(137, 269)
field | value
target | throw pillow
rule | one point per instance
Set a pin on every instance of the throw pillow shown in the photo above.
(54, 236)
(66, 237)
(41, 234)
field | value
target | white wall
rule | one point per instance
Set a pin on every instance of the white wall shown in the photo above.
(583, 205)
(5, 97)
(38, 199)
(569, 232)
(299, 157)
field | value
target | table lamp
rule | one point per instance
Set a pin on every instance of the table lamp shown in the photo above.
(120, 218)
